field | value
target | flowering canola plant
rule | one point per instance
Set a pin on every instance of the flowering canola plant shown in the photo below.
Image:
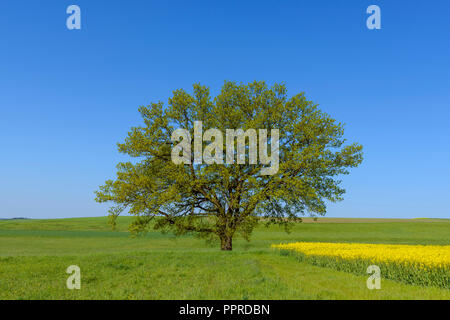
(416, 264)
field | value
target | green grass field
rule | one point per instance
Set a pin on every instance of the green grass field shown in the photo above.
(34, 255)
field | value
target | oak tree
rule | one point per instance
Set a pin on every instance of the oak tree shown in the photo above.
(219, 200)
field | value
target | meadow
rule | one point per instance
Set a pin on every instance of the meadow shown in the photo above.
(34, 256)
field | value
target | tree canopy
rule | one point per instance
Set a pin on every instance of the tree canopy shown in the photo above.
(218, 200)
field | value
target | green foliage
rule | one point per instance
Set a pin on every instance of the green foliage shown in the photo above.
(222, 199)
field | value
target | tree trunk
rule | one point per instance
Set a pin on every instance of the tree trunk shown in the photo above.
(226, 243)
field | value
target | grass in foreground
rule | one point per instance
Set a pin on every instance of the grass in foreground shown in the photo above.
(34, 255)
(192, 275)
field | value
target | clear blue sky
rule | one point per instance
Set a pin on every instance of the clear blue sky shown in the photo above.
(67, 97)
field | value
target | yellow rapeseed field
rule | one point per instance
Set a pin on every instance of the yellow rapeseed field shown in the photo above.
(421, 264)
